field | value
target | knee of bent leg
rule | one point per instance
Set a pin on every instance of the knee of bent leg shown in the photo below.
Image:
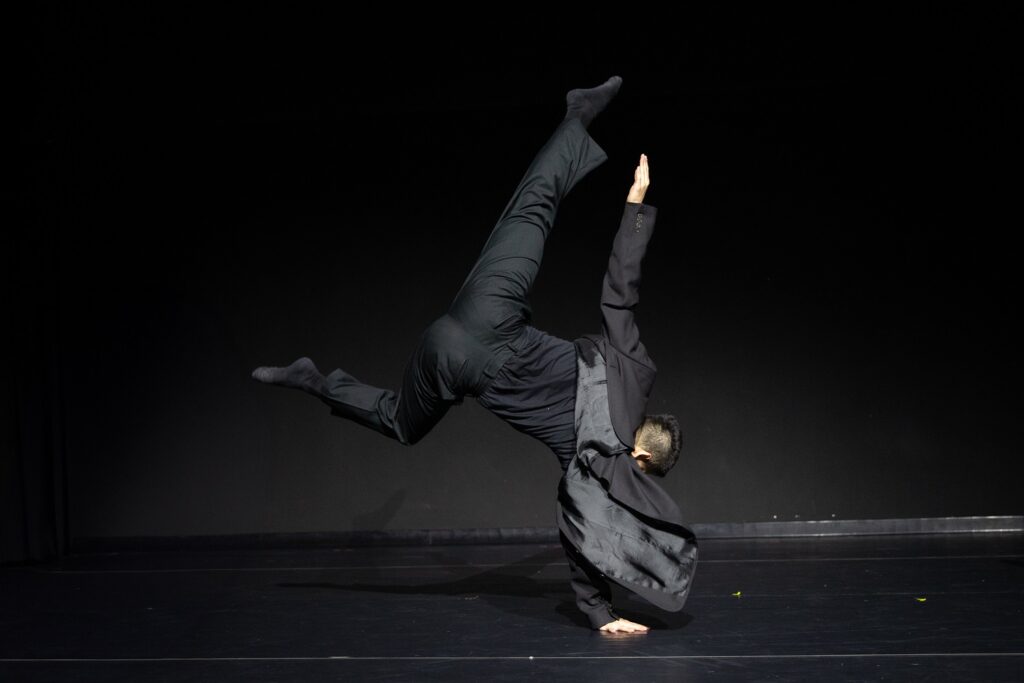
(407, 437)
(409, 440)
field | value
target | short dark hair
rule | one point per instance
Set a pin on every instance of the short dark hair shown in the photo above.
(660, 435)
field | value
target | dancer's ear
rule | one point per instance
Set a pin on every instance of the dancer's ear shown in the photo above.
(640, 453)
(642, 457)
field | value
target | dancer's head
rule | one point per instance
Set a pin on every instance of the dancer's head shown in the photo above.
(658, 441)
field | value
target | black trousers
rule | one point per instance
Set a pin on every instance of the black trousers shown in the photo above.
(460, 352)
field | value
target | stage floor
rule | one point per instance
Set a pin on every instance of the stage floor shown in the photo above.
(867, 608)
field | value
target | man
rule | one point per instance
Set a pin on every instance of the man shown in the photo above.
(585, 399)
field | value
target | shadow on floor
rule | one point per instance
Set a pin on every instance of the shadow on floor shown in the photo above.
(510, 587)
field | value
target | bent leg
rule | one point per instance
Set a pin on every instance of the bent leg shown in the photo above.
(405, 416)
(429, 388)
(492, 302)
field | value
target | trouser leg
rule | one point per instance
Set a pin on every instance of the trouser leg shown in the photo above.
(362, 403)
(463, 348)
(492, 302)
(408, 414)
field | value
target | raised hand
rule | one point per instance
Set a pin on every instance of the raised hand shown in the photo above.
(641, 181)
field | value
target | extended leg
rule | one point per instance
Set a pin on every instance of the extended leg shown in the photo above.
(492, 302)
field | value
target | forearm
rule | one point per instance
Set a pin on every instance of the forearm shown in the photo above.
(620, 292)
(593, 593)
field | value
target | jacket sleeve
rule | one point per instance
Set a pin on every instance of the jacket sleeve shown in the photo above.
(593, 593)
(620, 292)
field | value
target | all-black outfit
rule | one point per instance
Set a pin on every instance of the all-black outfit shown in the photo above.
(484, 347)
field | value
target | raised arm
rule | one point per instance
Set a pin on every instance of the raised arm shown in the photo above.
(620, 293)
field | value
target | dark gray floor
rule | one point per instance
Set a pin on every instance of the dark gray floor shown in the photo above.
(928, 607)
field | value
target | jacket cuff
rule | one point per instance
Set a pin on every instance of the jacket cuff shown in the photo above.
(634, 210)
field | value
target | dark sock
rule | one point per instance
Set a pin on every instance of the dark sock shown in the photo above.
(301, 374)
(586, 103)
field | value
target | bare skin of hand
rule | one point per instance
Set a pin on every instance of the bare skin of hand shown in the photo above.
(641, 181)
(624, 626)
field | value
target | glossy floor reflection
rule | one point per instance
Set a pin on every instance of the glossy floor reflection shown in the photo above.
(934, 607)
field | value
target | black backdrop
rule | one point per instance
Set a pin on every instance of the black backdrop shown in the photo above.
(831, 293)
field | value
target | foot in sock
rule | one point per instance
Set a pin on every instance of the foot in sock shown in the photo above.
(586, 103)
(302, 374)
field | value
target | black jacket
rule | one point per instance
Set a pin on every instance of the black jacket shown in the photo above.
(607, 483)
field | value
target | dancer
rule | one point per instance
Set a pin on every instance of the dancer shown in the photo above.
(585, 399)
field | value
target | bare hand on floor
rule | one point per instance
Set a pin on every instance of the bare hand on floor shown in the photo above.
(624, 626)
